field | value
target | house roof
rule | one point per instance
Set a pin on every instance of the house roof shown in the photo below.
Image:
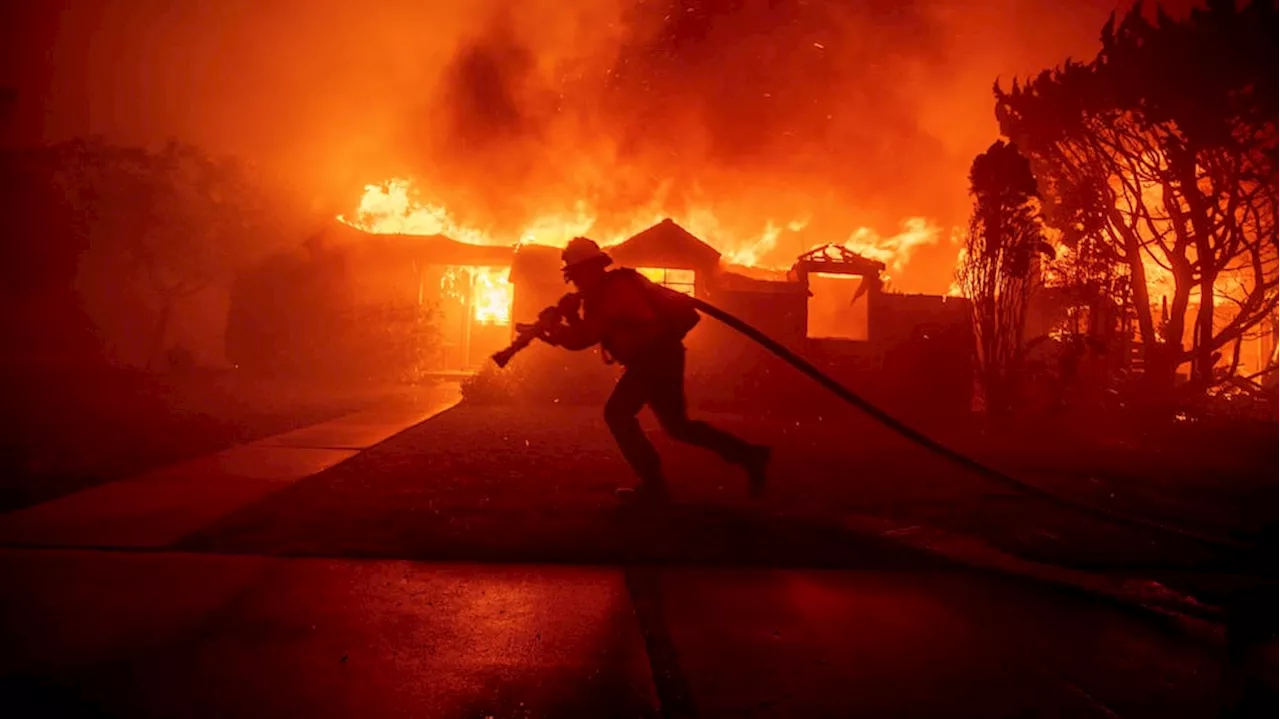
(428, 249)
(666, 244)
(838, 259)
(727, 281)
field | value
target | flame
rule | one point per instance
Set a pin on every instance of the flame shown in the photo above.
(450, 283)
(489, 290)
(491, 296)
(393, 208)
(895, 250)
(396, 207)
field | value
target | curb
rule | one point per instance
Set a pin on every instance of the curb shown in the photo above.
(1182, 611)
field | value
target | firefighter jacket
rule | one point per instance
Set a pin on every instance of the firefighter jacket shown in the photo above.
(621, 314)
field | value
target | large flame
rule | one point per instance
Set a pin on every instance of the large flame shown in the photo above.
(388, 209)
(491, 296)
(487, 289)
(396, 207)
(895, 250)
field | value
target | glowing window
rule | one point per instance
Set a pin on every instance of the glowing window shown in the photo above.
(679, 280)
(833, 311)
(491, 296)
(489, 288)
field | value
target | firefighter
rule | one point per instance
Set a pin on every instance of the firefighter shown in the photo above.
(641, 326)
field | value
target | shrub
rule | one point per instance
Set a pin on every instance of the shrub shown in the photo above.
(542, 375)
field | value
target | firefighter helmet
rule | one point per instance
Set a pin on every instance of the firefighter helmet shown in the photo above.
(583, 251)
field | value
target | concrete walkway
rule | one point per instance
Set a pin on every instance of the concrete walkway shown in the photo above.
(157, 508)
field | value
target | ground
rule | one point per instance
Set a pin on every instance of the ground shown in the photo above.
(502, 483)
(478, 564)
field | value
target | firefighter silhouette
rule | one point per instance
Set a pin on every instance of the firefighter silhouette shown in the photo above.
(642, 325)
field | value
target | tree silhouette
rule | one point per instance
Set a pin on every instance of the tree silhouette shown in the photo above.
(999, 267)
(1162, 151)
(171, 221)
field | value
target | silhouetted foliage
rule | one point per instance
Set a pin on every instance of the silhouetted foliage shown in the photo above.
(170, 222)
(1000, 267)
(543, 376)
(127, 232)
(1160, 155)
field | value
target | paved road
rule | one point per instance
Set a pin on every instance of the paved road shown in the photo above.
(157, 634)
(263, 592)
(495, 483)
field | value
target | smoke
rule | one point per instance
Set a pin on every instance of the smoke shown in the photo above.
(834, 117)
(761, 115)
(767, 110)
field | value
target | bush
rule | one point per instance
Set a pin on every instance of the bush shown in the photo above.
(382, 342)
(542, 375)
(298, 314)
(392, 342)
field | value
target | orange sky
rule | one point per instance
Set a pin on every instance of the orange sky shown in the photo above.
(850, 114)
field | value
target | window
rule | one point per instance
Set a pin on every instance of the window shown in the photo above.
(678, 280)
(833, 312)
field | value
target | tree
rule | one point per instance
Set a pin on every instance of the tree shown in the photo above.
(1094, 290)
(1000, 267)
(170, 222)
(1162, 153)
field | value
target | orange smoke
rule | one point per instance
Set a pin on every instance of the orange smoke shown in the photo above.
(764, 129)
(826, 113)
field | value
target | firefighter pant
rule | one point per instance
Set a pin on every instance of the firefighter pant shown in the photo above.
(657, 379)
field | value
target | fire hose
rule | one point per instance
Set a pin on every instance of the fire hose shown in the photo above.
(527, 333)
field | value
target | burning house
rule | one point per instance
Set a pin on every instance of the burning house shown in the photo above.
(830, 307)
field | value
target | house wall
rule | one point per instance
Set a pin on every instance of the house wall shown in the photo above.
(726, 368)
(916, 359)
(537, 282)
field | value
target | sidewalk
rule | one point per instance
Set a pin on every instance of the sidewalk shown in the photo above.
(157, 508)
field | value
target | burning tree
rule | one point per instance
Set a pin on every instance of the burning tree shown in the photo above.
(999, 266)
(1161, 152)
